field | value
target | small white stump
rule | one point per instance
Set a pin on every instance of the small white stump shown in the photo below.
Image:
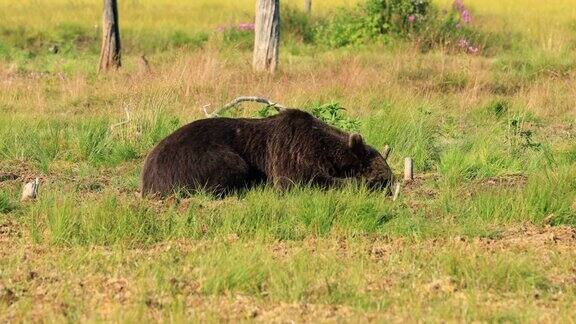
(408, 170)
(30, 190)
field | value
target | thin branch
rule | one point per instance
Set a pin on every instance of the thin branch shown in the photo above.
(396, 191)
(237, 101)
(205, 109)
(126, 121)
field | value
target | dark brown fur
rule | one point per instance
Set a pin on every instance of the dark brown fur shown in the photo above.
(223, 155)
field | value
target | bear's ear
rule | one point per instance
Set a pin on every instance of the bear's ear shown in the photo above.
(356, 144)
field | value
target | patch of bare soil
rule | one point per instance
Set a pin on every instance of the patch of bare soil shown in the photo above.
(309, 313)
(17, 172)
(418, 187)
(561, 130)
(241, 308)
(8, 177)
(420, 191)
(7, 296)
(9, 232)
(532, 236)
(512, 180)
(104, 296)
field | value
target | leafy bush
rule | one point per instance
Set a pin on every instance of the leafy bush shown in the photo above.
(419, 20)
(372, 19)
(397, 16)
(346, 28)
(333, 114)
(266, 111)
(450, 32)
(330, 113)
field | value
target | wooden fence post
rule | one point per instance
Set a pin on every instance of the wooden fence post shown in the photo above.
(308, 6)
(110, 52)
(408, 170)
(267, 36)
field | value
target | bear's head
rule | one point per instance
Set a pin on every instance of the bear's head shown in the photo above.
(367, 164)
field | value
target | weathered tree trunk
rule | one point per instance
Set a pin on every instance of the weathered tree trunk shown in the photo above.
(308, 6)
(267, 35)
(110, 52)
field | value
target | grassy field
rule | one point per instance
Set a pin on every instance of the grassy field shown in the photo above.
(486, 232)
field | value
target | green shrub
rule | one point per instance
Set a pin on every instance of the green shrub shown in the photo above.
(333, 114)
(346, 28)
(330, 113)
(266, 111)
(418, 20)
(448, 32)
(397, 16)
(371, 20)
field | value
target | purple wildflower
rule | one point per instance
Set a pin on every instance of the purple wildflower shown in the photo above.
(240, 27)
(463, 43)
(459, 5)
(466, 17)
(411, 18)
(467, 46)
(245, 26)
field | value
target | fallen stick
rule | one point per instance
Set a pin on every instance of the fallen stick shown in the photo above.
(239, 100)
(408, 175)
(205, 109)
(126, 121)
(396, 191)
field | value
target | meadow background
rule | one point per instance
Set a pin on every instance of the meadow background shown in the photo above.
(486, 231)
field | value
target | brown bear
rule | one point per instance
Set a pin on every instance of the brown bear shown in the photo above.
(223, 155)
